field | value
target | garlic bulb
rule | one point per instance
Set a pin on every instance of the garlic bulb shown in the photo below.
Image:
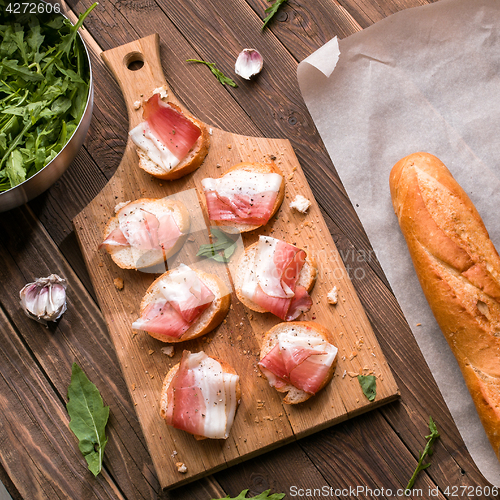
(45, 299)
(249, 63)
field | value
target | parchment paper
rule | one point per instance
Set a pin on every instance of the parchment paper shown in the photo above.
(424, 79)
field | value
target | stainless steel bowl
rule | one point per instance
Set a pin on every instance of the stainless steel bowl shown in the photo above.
(49, 174)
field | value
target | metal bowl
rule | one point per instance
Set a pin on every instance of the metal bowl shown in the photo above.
(42, 180)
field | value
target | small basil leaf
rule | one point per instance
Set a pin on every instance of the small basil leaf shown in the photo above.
(368, 384)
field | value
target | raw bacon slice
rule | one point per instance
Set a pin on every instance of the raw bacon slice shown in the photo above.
(142, 230)
(300, 303)
(242, 209)
(181, 299)
(271, 281)
(115, 238)
(193, 304)
(202, 397)
(170, 126)
(161, 318)
(242, 196)
(300, 360)
(168, 232)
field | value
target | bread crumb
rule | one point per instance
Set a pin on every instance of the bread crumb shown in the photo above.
(150, 352)
(162, 91)
(301, 204)
(332, 296)
(174, 453)
(181, 467)
(168, 351)
(419, 324)
(118, 282)
(137, 104)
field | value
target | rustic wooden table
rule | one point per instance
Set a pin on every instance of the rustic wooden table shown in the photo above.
(362, 457)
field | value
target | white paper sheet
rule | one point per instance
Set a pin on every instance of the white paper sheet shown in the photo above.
(424, 79)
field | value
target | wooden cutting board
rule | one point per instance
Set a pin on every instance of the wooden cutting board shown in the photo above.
(262, 421)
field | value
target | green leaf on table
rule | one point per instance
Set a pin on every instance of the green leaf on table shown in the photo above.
(221, 250)
(225, 80)
(265, 495)
(427, 451)
(272, 10)
(88, 418)
(368, 384)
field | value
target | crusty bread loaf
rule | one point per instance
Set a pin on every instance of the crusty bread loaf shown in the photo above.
(164, 402)
(188, 164)
(133, 258)
(294, 395)
(307, 276)
(459, 270)
(209, 319)
(263, 168)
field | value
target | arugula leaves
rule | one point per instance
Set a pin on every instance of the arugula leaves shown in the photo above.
(271, 11)
(221, 250)
(262, 496)
(427, 451)
(368, 384)
(44, 85)
(225, 80)
(89, 417)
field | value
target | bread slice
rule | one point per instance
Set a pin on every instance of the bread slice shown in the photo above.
(133, 258)
(264, 168)
(189, 163)
(307, 276)
(294, 395)
(164, 402)
(209, 319)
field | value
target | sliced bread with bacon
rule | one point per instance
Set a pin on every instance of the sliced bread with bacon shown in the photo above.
(169, 135)
(126, 234)
(246, 271)
(196, 309)
(300, 380)
(195, 420)
(245, 197)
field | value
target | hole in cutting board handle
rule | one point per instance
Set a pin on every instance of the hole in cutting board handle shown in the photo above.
(134, 61)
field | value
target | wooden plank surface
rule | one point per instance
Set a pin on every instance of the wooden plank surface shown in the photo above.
(397, 429)
(238, 339)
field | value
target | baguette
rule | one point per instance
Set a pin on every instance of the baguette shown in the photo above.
(209, 319)
(232, 227)
(296, 395)
(128, 257)
(459, 271)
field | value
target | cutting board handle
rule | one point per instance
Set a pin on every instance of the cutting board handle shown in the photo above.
(137, 82)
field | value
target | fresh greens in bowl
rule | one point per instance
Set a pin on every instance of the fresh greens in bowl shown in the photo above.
(44, 87)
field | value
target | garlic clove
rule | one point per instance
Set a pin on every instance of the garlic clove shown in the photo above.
(248, 63)
(45, 299)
